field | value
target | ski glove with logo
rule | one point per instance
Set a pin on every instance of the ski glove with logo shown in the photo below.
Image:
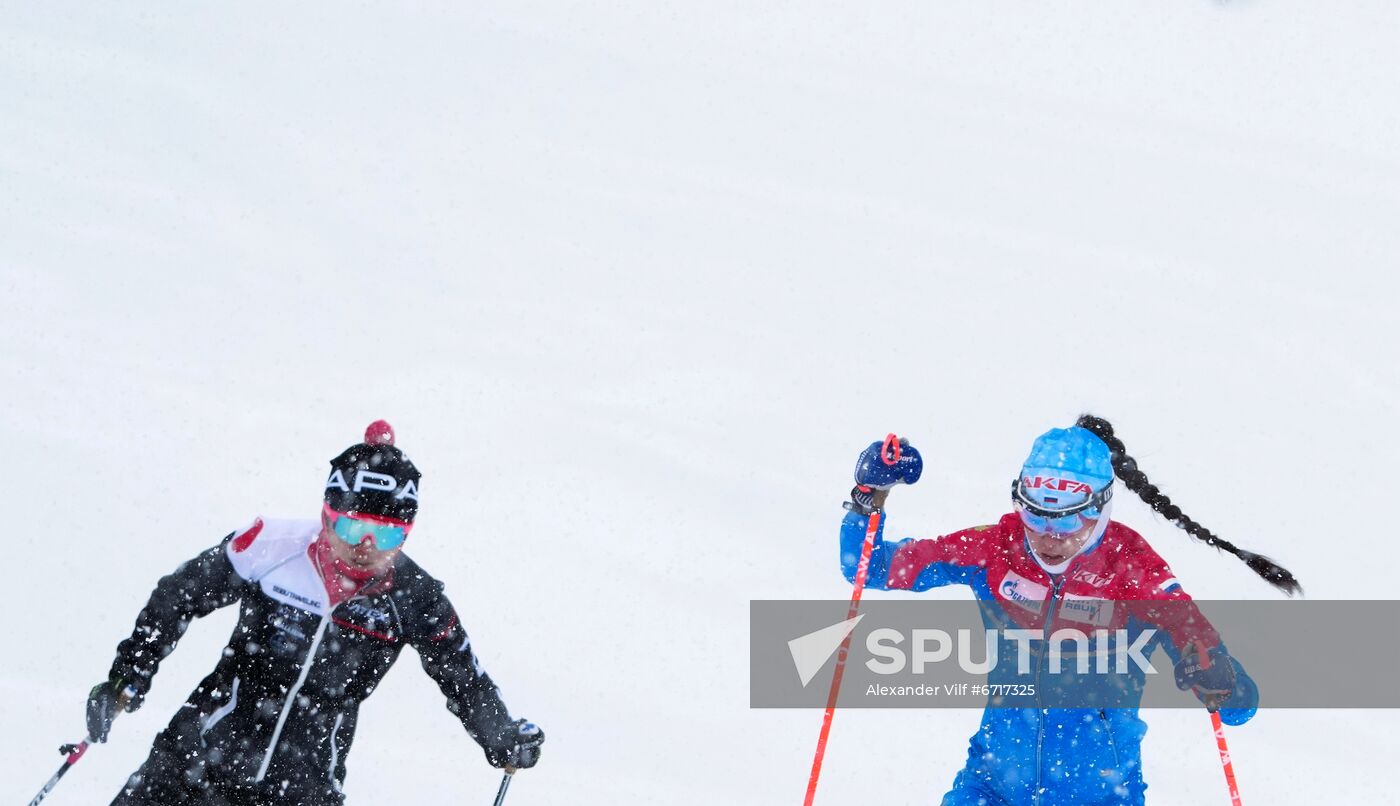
(880, 467)
(519, 748)
(105, 700)
(1210, 678)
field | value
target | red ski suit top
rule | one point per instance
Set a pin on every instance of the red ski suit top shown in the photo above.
(1093, 592)
(1058, 747)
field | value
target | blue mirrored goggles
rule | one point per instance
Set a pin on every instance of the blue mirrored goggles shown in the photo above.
(1065, 521)
(354, 529)
(1066, 525)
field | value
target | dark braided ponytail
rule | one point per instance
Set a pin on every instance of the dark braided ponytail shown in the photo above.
(1125, 467)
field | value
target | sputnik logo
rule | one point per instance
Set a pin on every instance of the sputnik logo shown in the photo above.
(934, 646)
(810, 651)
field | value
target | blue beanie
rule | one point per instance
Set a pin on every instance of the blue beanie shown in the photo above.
(1066, 467)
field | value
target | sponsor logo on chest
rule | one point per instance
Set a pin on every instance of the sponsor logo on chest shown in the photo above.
(297, 584)
(377, 619)
(314, 604)
(1091, 578)
(1087, 610)
(1022, 592)
(291, 621)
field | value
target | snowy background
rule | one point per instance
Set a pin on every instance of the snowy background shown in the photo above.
(635, 283)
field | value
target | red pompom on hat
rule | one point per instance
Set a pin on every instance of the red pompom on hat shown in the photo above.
(379, 432)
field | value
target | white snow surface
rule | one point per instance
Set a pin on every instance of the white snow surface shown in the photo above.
(635, 282)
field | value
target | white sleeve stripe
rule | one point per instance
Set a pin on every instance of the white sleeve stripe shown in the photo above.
(1168, 584)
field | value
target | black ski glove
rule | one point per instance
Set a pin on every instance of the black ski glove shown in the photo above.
(1211, 678)
(518, 748)
(105, 701)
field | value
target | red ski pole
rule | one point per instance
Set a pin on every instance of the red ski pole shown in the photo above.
(74, 753)
(1219, 729)
(889, 454)
(1225, 758)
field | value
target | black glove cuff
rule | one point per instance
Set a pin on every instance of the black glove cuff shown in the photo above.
(862, 501)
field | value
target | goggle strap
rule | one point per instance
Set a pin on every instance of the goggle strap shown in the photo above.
(1095, 501)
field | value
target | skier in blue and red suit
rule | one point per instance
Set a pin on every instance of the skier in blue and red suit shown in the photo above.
(1059, 563)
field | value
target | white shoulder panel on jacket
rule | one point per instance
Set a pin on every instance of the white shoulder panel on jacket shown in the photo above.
(267, 543)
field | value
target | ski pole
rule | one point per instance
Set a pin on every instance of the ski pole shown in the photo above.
(1225, 758)
(74, 753)
(1219, 729)
(505, 784)
(889, 454)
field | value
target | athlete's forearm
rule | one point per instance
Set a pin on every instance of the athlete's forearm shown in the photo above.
(195, 589)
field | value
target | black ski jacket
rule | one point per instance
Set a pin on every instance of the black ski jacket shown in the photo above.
(277, 715)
